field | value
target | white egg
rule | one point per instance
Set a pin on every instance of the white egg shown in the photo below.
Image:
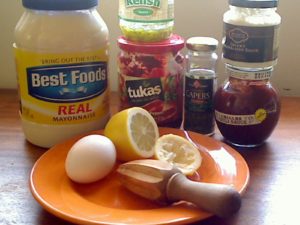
(90, 159)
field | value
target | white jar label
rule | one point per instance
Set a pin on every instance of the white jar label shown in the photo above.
(242, 120)
(249, 75)
(250, 44)
(150, 11)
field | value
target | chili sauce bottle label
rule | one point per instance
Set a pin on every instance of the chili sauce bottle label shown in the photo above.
(159, 96)
(141, 92)
(63, 88)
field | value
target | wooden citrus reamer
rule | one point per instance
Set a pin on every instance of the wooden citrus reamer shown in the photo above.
(160, 181)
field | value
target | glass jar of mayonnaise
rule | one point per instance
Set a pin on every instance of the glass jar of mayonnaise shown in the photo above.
(61, 50)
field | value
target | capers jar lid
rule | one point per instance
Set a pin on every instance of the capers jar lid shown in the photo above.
(254, 3)
(59, 5)
(202, 44)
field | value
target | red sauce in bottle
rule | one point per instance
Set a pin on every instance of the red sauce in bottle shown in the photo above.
(151, 77)
(247, 108)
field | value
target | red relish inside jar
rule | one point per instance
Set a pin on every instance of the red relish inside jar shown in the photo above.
(150, 76)
(247, 107)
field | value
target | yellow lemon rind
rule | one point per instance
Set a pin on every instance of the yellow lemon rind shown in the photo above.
(118, 130)
(160, 153)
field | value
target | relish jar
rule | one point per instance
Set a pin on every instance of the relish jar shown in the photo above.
(151, 77)
(247, 107)
(146, 21)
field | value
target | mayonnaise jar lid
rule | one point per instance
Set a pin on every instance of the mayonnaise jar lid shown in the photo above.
(59, 5)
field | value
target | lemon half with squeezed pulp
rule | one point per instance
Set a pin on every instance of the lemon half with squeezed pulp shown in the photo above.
(134, 133)
(179, 152)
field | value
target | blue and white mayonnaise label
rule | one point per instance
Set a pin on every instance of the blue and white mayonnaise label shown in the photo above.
(68, 83)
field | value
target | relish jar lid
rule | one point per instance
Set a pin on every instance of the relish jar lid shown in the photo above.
(173, 44)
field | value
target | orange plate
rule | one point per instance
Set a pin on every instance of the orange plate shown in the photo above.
(107, 202)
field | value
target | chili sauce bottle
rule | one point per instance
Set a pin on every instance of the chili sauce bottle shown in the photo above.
(247, 107)
(151, 77)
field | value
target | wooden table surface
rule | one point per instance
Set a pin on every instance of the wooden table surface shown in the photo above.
(272, 197)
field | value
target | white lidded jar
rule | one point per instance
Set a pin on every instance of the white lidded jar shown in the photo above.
(61, 51)
(250, 34)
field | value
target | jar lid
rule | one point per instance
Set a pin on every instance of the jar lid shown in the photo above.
(59, 5)
(205, 44)
(173, 44)
(254, 3)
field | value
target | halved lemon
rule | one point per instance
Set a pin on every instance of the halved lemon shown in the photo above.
(134, 133)
(179, 152)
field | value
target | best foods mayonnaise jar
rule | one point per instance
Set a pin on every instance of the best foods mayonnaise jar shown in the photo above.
(61, 51)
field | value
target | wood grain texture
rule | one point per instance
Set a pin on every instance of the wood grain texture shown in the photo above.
(271, 199)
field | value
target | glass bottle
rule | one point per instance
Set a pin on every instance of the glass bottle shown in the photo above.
(200, 84)
(247, 107)
(146, 21)
(251, 29)
(151, 77)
